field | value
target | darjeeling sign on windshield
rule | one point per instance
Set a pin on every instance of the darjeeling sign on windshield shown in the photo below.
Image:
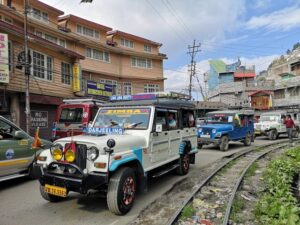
(105, 130)
(125, 111)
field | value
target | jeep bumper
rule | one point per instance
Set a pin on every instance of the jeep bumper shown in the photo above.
(207, 141)
(77, 181)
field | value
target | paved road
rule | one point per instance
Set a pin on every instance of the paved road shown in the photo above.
(21, 203)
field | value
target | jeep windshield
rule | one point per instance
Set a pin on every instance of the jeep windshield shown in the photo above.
(269, 118)
(127, 118)
(219, 118)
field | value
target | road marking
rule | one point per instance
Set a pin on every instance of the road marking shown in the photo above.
(113, 223)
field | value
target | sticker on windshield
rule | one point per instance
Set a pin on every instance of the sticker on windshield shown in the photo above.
(9, 154)
(105, 130)
(125, 111)
(230, 119)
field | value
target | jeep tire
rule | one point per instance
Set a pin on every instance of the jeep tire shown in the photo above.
(184, 164)
(49, 197)
(121, 191)
(224, 144)
(247, 141)
(272, 135)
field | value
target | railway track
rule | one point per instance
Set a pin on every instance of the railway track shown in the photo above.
(214, 186)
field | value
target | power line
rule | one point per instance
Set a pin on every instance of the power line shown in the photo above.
(193, 50)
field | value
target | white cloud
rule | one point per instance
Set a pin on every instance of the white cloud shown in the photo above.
(178, 79)
(208, 20)
(284, 19)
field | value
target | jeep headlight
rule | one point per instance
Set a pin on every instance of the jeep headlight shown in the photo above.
(200, 130)
(92, 153)
(57, 152)
(70, 156)
(214, 131)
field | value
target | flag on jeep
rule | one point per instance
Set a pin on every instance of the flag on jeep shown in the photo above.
(37, 141)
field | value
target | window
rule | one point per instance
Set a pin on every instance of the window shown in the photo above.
(127, 89)
(161, 119)
(148, 88)
(172, 120)
(88, 32)
(42, 65)
(147, 48)
(39, 15)
(126, 43)
(97, 54)
(65, 73)
(278, 94)
(294, 91)
(51, 38)
(141, 63)
(71, 115)
(6, 19)
(116, 88)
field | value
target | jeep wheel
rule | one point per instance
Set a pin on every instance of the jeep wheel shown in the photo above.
(184, 164)
(247, 141)
(272, 135)
(49, 197)
(121, 191)
(224, 143)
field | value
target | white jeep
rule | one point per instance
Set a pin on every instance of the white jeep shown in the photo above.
(128, 142)
(271, 124)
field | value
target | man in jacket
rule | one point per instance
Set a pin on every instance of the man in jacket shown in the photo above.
(289, 124)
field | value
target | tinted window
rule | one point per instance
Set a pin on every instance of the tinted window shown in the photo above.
(71, 115)
(6, 131)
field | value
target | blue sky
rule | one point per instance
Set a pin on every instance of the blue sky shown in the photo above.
(257, 31)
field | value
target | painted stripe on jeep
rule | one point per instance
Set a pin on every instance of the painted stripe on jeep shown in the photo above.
(139, 154)
(14, 162)
(115, 164)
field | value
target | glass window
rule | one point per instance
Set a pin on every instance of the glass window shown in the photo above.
(88, 32)
(147, 48)
(88, 52)
(161, 118)
(149, 88)
(49, 68)
(97, 54)
(141, 63)
(39, 15)
(71, 115)
(172, 120)
(127, 118)
(127, 89)
(65, 73)
(42, 65)
(126, 43)
(7, 131)
(51, 38)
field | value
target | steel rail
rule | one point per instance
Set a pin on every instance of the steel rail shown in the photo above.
(175, 216)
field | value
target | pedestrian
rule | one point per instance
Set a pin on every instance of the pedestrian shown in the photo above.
(289, 124)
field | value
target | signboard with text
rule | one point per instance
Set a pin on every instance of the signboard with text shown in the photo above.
(39, 119)
(99, 89)
(76, 77)
(4, 69)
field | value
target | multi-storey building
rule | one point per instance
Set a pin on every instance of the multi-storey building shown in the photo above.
(70, 57)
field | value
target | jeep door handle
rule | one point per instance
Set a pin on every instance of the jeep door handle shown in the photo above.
(178, 132)
(166, 133)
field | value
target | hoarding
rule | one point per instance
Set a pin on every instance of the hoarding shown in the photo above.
(99, 89)
(4, 69)
(76, 77)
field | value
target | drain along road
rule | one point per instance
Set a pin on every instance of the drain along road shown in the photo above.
(21, 203)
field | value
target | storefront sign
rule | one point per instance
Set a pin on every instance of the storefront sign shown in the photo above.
(99, 89)
(39, 119)
(4, 71)
(76, 77)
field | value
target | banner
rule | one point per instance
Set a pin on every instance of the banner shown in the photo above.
(99, 89)
(76, 77)
(4, 69)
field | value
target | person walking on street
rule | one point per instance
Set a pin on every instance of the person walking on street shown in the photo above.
(289, 124)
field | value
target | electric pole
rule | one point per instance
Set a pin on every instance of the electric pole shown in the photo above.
(193, 50)
(26, 69)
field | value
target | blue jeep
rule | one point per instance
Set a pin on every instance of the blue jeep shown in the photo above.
(220, 127)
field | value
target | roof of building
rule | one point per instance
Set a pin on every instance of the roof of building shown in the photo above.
(47, 44)
(261, 91)
(244, 74)
(45, 6)
(132, 37)
(84, 21)
(218, 65)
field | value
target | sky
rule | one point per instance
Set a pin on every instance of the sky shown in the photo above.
(256, 31)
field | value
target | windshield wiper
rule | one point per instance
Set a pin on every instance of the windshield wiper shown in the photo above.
(133, 125)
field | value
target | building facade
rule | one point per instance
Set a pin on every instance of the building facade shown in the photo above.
(70, 57)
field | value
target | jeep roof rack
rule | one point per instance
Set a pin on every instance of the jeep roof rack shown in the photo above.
(84, 100)
(150, 96)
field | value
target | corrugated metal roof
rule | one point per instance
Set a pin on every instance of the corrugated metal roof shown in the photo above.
(218, 65)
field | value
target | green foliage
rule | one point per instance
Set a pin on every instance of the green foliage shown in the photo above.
(251, 170)
(237, 206)
(187, 212)
(277, 205)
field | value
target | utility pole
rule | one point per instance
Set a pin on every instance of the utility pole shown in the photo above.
(26, 69)
(193, 50)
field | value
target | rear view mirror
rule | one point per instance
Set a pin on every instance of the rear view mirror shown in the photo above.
(158, 128)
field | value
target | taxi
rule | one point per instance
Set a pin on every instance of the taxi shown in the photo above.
(16, 152)
(131, 139)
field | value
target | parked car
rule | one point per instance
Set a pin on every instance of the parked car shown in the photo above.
(73, 115)
(221, 127)
(128, 142)
(16, 152)
(271, 124)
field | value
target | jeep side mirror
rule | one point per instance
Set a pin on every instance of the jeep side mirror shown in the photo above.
(20, 135)
(158, 128)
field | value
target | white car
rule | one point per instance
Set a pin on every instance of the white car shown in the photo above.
(128, 142)
(271, 124)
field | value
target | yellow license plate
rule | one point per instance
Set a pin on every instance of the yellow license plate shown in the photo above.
(54, 190)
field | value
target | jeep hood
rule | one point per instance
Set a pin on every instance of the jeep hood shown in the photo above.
(123, 142)
(218, 127)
